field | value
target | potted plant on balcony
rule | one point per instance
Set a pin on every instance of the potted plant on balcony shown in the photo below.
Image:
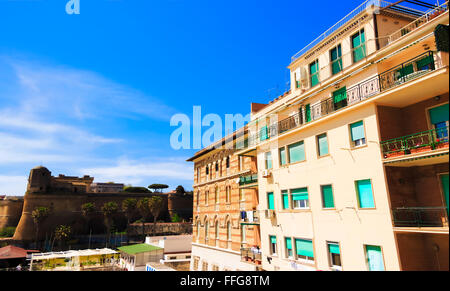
(394, 154)
(419, 147)
(442, 143)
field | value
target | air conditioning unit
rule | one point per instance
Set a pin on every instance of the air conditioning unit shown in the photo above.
(266, 173)
(269, 213)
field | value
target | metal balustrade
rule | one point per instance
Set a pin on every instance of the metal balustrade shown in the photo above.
(420, 216)
(414, 143)
(249, 179)
(398, 75)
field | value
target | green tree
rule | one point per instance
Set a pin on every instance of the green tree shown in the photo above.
(63, 233)
(88, 211)
(175, 218)
(158, 187)
(180, 190)
(129, 207)
(109, 210)
(136, 190)
(39, 214)
(156, 205)
(144, 210)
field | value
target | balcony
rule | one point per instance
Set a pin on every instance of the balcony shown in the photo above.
(251, 255)
(250, 217)
(420, 216)
(401, 74)
(248, 180)
(426, 141)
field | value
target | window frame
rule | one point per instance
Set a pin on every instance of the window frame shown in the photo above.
(318, 145)
(357, 195)
(364, 140)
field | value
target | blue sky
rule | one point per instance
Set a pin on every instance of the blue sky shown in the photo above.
(94, 93)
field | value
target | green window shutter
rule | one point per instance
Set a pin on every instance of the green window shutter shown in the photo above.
(445, 185)
(439, 114)
(271, 201)
(264, 133)
(336, 60)
(314, 72)
(268, 156)
(296, 152)
(327, 195)
(357, 130)
(308, 112)
(299, 194)
(304, 248)
(375, 258)
(289, 243)
(285, 196)
(358, 45)
(340, 94)
(282, 156)
(406, 70)
(334, 249)
(365, 195)
(425, 63)
(322, 141)
(273, 239)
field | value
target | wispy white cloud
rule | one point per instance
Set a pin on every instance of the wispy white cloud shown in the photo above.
(13, 185)
(136, 172)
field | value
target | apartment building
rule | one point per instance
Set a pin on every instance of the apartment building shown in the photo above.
(226, 223)
(352, 162)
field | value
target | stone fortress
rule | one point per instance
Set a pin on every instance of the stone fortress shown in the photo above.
(64, 196)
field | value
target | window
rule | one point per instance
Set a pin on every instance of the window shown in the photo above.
(228, 162)
(314, 73)
(285, 197)
(270, 201)
(289, 252)
(327, 196)
(264, 133)
(206, 197)
(308, 112)
(241, 163)
(217, 167)
(440, 121)
(282, 156)
(336, 59)
(206, 229)
(216, 195)
(359, 46)
(241, 195)
(300, 199)
(273, 245)
(198, 198)
(322, 144)
(296, 152)
(198, 229)
(207, 170)
(196, 260)
(374, 258)
(268, 160)
(340, 98)
(357, 134)
(229, 234)
(304, 249)
(334, 255)
(365, 195)
(216, 229)
(198, 174)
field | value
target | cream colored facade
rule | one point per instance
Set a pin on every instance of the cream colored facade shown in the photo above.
(366, 236)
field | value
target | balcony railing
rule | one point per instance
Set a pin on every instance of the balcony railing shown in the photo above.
(419, 22)
(249, 179)
(251, 255)
(398, 75)
(361, 8)
(420, 216)
(415, 143)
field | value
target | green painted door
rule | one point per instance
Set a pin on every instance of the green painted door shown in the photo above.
(375, 258)
(444, 181)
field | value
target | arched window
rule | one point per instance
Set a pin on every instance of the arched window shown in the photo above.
(228, 230)
(228, 162)
(206, 229)
(216, 195)
(216, 227)
(198, 228)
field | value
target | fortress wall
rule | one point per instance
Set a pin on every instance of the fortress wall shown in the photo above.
(10, 212)
(66, 209)
(181, 204)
